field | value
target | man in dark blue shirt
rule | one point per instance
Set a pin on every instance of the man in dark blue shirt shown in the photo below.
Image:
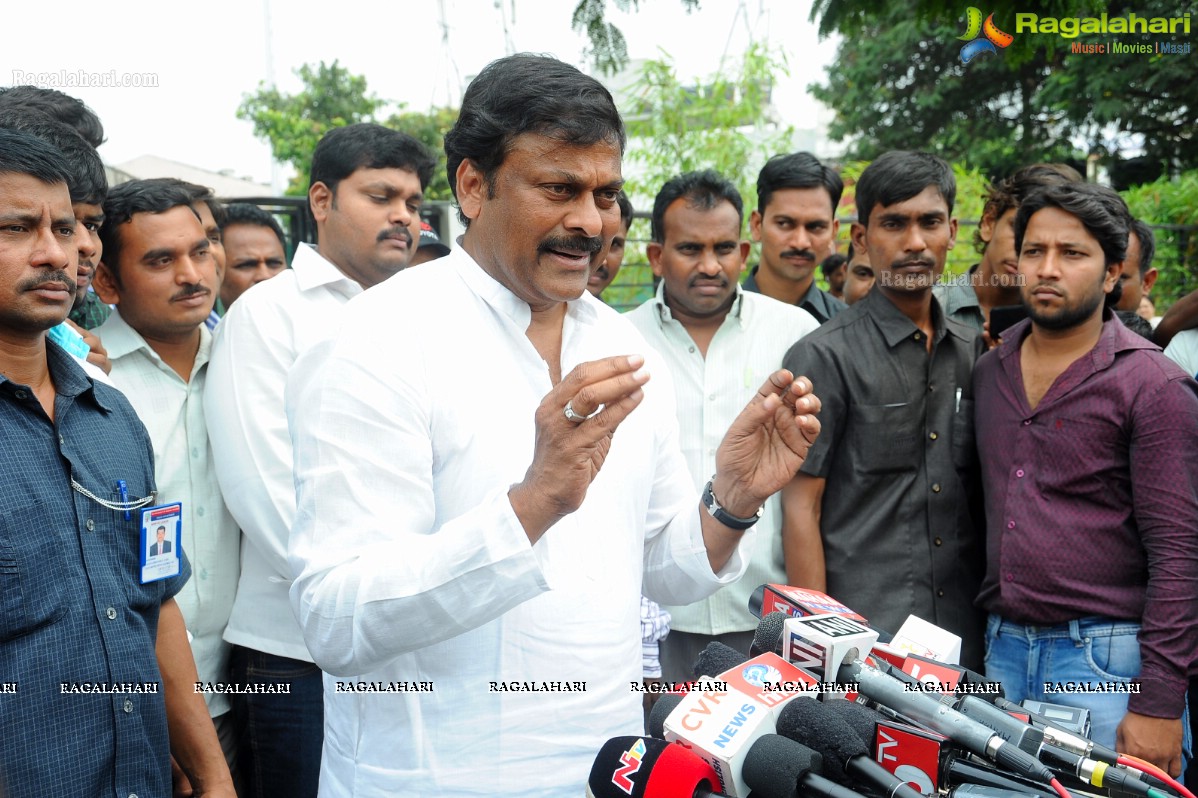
(96, 663)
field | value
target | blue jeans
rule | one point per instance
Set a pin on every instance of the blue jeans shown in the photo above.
(1090, 650)
(281, 733)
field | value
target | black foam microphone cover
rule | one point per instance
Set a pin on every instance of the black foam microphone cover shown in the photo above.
(809, 723)
(717, 658)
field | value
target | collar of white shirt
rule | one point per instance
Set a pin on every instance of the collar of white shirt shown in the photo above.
(121, 340)
(741, 310)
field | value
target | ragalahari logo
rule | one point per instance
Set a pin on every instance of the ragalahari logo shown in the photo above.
(989, 40)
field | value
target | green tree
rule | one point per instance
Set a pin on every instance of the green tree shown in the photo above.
(676, 126)
(332, 97)
(1033, 101)
(430, 129)
(608, 50)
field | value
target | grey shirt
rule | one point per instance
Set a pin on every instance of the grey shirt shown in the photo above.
(896, 448)
(960, 302)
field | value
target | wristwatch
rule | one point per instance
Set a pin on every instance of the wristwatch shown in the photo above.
(722, 515)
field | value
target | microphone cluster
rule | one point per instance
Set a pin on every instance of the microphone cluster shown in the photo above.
(821, 708)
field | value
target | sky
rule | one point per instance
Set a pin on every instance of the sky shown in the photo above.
(205, 57)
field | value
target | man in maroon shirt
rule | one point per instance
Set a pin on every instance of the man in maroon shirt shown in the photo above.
(1088, 439)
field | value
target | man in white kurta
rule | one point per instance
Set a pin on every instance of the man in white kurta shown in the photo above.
(470, 541)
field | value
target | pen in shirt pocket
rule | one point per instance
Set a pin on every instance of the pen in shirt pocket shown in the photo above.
(122, 491)
(958, 410)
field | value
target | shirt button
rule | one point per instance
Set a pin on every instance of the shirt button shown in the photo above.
(1010, 577)
(91, 525)
(62, 441)
(1019, 473)
(931, 387)
(936, 488)
(128, 705)
(111, 613)
(200, 512)
(132, 795)
(1010, 525)
(691, 350)
(711, 397)
(918, 337)
(933, 436)
(1027, 422)
(939, 542)
(21, 395)
(195, 452)
(940, 593)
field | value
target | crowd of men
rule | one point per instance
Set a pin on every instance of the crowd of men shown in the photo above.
(342, 526)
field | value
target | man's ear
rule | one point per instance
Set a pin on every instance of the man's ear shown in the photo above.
(986, 228)
(857, 235)
(1150, 279)
(472, 188)
(952, 233)
(320, 200)
(755, 225)
(105, 284)
(1114, 272)
(745, 247)
(653, 252)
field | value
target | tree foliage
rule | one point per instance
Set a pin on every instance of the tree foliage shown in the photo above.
(898, 82)
(429, 129)
(676, 126)
(608, 48)
(332, 97)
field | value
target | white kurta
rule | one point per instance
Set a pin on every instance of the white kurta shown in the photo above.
(256, 344)
(411, 565)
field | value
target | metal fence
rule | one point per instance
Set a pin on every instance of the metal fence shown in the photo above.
(1176, 260)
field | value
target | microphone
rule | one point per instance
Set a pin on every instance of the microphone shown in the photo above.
(922, 759)
(964, 731)
(768, 635)
(777, 767)
(716, 658)
(845, 754)
(643, 767)
(840, 640)
(661, 710)
(797, 601)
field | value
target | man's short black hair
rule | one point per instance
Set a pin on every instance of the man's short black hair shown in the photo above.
(899, 175)
(527, 93)
(702, 190)
(832, 263)
(197, 193)
(1101, 211)
(365, 145)
(87, 181)
(124, 201)
(1147, 244)
(23, 154)
(797, 170)
(56, 105)
(248, 213)
(625, 209)
(1007, 193)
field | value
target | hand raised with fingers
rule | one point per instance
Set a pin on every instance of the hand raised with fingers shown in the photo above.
(766, 444)
(575, 423)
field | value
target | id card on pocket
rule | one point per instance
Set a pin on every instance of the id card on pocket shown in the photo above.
(160, 527)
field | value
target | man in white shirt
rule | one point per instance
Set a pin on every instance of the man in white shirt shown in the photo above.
(472, 528)
(158, 269)
(719, 343)
(366, 191)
